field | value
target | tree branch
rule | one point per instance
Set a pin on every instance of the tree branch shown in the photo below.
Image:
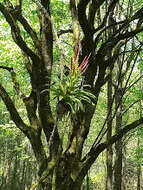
(94, 6)
(109, 11)
(125, 23)
(30, 31)
(14, 80)
(17, 86)
(19, 4)
(64, 32)
(47, 30)
(95, 151)
(6, 68)
(128, 87)
(76, 28)
(130, 106)
(84, 23)
(16, 33)
(12, 110)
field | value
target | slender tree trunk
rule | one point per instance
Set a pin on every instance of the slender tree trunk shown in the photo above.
(138, 177)
(109, 153)
(87, 182)
(138, 144)
(23, 182)
(14, 183)
(118, 144)
(124, 182)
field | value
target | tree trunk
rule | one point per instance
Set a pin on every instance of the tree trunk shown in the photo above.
(124, 178)
(118, 144)
(60, 180)
(109, 153)
(138, 143)
(138, 177)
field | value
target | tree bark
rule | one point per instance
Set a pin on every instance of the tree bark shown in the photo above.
(118, 144)
(139, 171)
(109, 153)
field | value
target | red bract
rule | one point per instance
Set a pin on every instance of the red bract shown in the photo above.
(83, 66)
(71, 63)
(75, 54)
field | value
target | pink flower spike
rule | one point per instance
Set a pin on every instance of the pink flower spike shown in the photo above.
(78, 47)
(83, 71)
(88, 57)
(71, 63)
(73, 70)
(75, 55)
(84, 65)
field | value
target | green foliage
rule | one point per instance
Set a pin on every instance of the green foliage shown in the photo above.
(60, 13)
(72, 92)
(17, 162)
(70, 89)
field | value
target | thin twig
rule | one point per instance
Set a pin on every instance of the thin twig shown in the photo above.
(6, 68)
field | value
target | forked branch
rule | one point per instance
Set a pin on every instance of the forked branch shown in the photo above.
(96, 150)
(13, 111)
